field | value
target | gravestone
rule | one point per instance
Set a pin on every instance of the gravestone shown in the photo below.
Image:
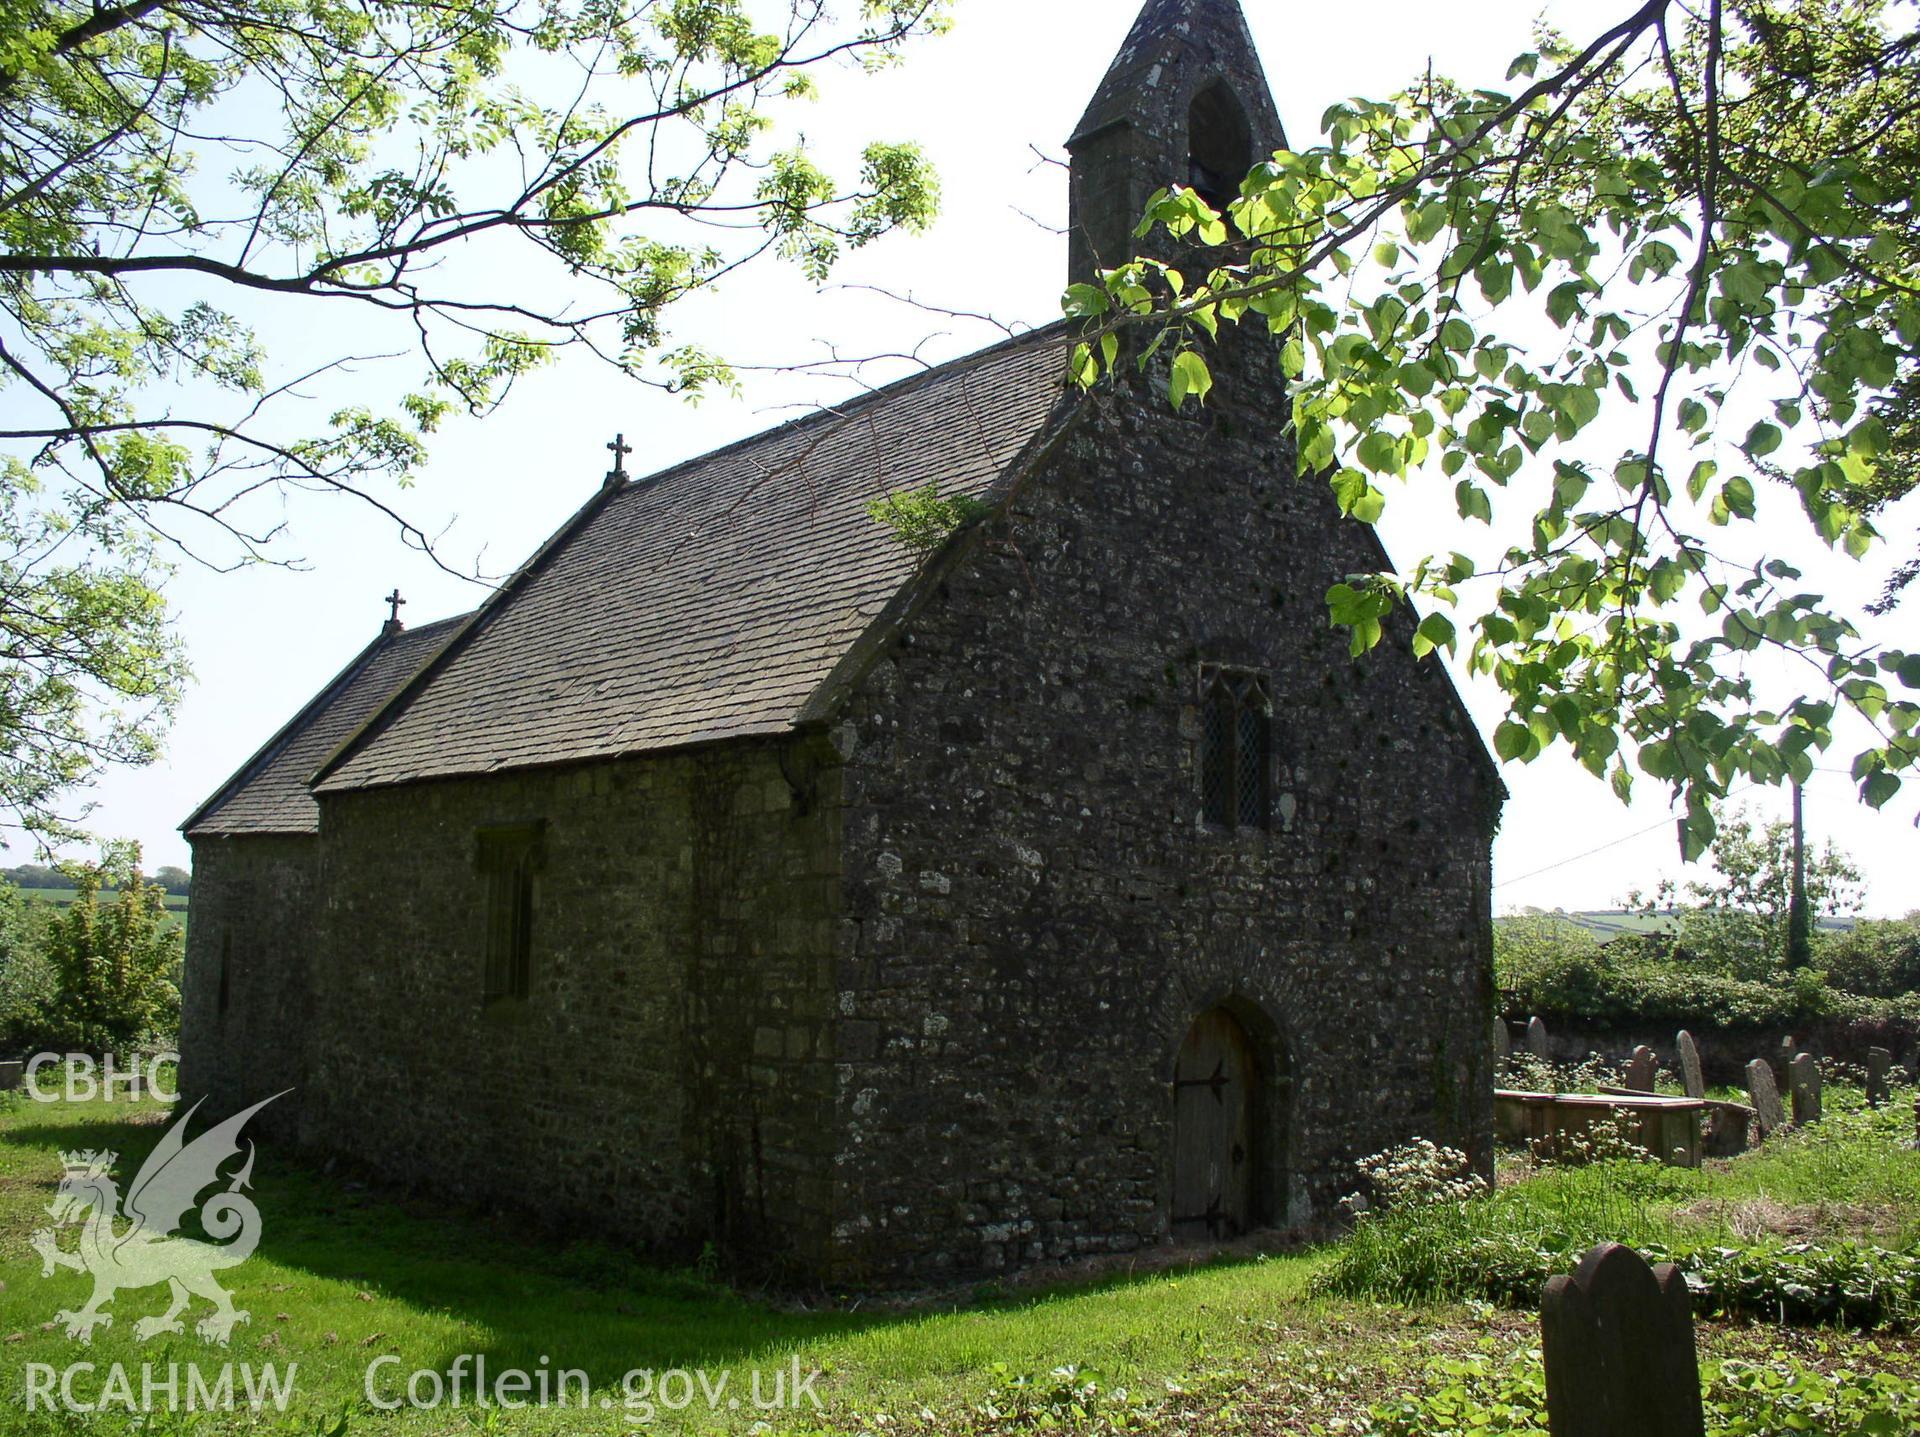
(1640, 1070)
(1766, 1097)
(10, 1073)
(1618, 1341)
(1502, 1043)
(1783, 1060)
(1879, 1068)
(1692, 1079)
(1805, 1075)
(1537, 1039)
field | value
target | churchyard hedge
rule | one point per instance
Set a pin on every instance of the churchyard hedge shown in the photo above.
(1699, 978)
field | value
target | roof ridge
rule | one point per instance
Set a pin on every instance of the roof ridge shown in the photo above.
(278, 742)
(392, 703)
(890, 390)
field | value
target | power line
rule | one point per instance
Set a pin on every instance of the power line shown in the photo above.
(1642, 833)
(1652, 828)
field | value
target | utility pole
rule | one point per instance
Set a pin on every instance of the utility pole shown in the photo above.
(1799, 924)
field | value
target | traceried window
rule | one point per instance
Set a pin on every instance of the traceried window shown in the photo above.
(1236, 749)
(1219, 145)
(508, 860)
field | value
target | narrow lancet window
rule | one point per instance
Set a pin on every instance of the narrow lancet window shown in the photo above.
(1236, 749)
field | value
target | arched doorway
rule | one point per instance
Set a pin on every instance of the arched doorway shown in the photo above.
(1217, 1101)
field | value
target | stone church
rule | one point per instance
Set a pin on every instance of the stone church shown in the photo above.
(736, 874)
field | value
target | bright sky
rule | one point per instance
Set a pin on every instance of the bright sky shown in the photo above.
(1011, 79)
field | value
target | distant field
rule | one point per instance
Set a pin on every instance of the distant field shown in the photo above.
(63, 897)
(1618, 922)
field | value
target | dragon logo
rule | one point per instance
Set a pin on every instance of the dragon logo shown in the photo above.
(149, 1250)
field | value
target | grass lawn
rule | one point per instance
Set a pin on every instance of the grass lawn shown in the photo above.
(344, 1277)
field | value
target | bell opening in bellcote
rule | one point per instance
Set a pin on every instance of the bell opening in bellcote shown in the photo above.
(1219, 145)
(1184, 102)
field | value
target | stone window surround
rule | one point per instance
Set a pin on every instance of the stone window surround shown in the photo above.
(509, 857)
(1249, 688)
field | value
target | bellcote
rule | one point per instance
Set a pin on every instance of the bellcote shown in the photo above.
(1185, 102)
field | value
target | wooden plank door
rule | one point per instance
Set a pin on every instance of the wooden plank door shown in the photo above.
(1213, 1131)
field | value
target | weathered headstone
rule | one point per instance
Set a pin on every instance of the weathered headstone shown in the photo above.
(10, 1074)
(1502, 1043)
(1783, 1060)
(1618, 1341)
(1537, 1039)
(1805, 1075)
(1729, 1130)
(1692, 1078)
(1640, 1070)
(1879, 1071)
(1766, 1097)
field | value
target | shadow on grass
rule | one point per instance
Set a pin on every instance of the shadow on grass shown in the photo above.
(472, 1283)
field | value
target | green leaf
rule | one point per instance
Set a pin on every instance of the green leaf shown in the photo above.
(1563, 305)
(1190, 377)
(1435, 632)
(1378, 452)
(1473, 502)
(1357, 497)
(1879, 787)
(1742, 631)
(1737, 495)
(1086, 301)
(1696, 836)
(1762, 439)
(1515, 741)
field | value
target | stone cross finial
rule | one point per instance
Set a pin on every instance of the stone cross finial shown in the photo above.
(621, 449)
(394, 604)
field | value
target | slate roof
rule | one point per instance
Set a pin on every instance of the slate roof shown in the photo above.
(270, 793)
(713, 600)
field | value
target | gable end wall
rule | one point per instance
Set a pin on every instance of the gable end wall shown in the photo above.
(256, 906)
(1035, 915)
